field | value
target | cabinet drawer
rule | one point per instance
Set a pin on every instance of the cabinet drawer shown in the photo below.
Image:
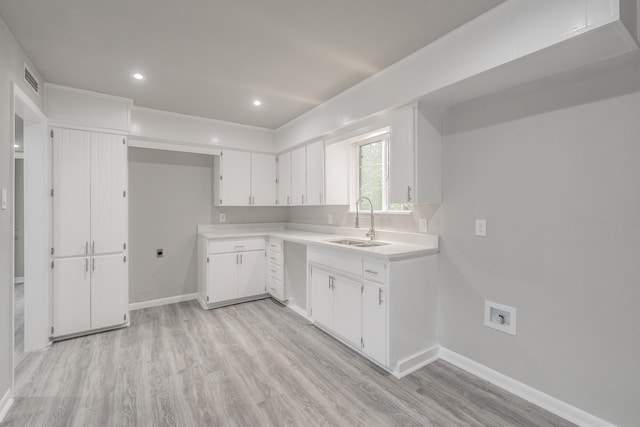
(337, 259)
(275, 288)
(274, 258)
(275, 246)
(226, 246)
(275, 271)
(374, 271)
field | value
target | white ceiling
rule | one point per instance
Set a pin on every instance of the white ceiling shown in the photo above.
(212, 58)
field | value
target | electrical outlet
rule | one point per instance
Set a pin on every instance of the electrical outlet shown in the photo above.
(329, 219)
(481, 227)
(500, 317)
(423, 225)
(223, 217)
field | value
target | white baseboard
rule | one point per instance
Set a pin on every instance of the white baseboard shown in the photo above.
(415, 362)
(161, 301)
(17, 280)
(5, 404)
(543, 400)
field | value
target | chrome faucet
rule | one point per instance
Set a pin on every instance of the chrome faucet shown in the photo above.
(372, 231)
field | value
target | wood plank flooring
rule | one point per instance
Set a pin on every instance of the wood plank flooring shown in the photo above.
(252, 364)
(18, 323)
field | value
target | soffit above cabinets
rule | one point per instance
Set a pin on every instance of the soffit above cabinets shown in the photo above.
(213, 58)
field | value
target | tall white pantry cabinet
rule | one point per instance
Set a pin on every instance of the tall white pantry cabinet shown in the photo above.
(89, 254)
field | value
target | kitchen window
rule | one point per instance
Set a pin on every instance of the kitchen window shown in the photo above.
(372, 174)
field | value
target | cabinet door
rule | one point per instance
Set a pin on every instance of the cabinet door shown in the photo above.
(71, 296)
(347, 309)
(315, 173)
(298, 176)
(109, 290)
(235, 169)
(402, 157)
(337, 182)
(321, 297)
(374, 322)
(263, 179)
(222, 277)
(71, 185)
(284, 179)
(108, 197)
(252, 274)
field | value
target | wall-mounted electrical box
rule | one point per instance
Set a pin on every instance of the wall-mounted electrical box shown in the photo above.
(500, 317)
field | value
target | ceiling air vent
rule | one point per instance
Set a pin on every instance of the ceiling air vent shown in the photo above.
(31, 80)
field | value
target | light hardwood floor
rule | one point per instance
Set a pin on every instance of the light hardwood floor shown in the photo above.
(18, 322)
(252, 364)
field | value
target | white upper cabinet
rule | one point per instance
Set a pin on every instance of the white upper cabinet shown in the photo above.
(72, 187)
(315, 173)
(232, 178)
(298, 176)
(244, 179)
(108, 197)
(307, 175)
(415, 159)
(263, 179)
(337, 182)
(284, 179)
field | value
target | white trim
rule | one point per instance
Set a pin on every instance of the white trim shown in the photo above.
(162, 301)
(17, 280)
(5, 403)
(530, 394)
(420, 360)
(182, 147)
(67, 125)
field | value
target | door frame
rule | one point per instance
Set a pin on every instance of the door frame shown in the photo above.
(37, 220)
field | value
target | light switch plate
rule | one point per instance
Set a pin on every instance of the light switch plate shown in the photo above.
(223, 217)
(481, 227)
(423, 225)
(329, 219)
(3, 203)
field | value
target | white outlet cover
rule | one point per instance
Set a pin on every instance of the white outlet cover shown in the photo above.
(492, 313)
(423, 225)
(223, 217)
(481, 227)
(330, 219)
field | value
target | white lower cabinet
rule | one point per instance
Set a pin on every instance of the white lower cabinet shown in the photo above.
(275, 269)
(374, 321)
(88, 294)
(385, 309)
(230, 271)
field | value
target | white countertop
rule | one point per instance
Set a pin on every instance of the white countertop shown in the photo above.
(393, 250)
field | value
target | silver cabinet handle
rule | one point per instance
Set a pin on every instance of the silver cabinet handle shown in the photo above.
(249, 199)
(288, 200)
(93, 264)
(253, 200)
(237, 259)
(273, 271)
(303, 199)
(371, 272)
(320, 198)
(408, 193)
(86, 247)
(93, 247)
(379, 296)
(86, 265)
(240, 258)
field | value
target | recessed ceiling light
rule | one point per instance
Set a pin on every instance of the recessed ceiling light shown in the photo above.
(138, 76)
(257, 103)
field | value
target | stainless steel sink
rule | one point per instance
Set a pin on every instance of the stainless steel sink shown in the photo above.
(357, 243)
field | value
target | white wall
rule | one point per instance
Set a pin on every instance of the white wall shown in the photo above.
(174, 131)
(12, 60)
(559, 186)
